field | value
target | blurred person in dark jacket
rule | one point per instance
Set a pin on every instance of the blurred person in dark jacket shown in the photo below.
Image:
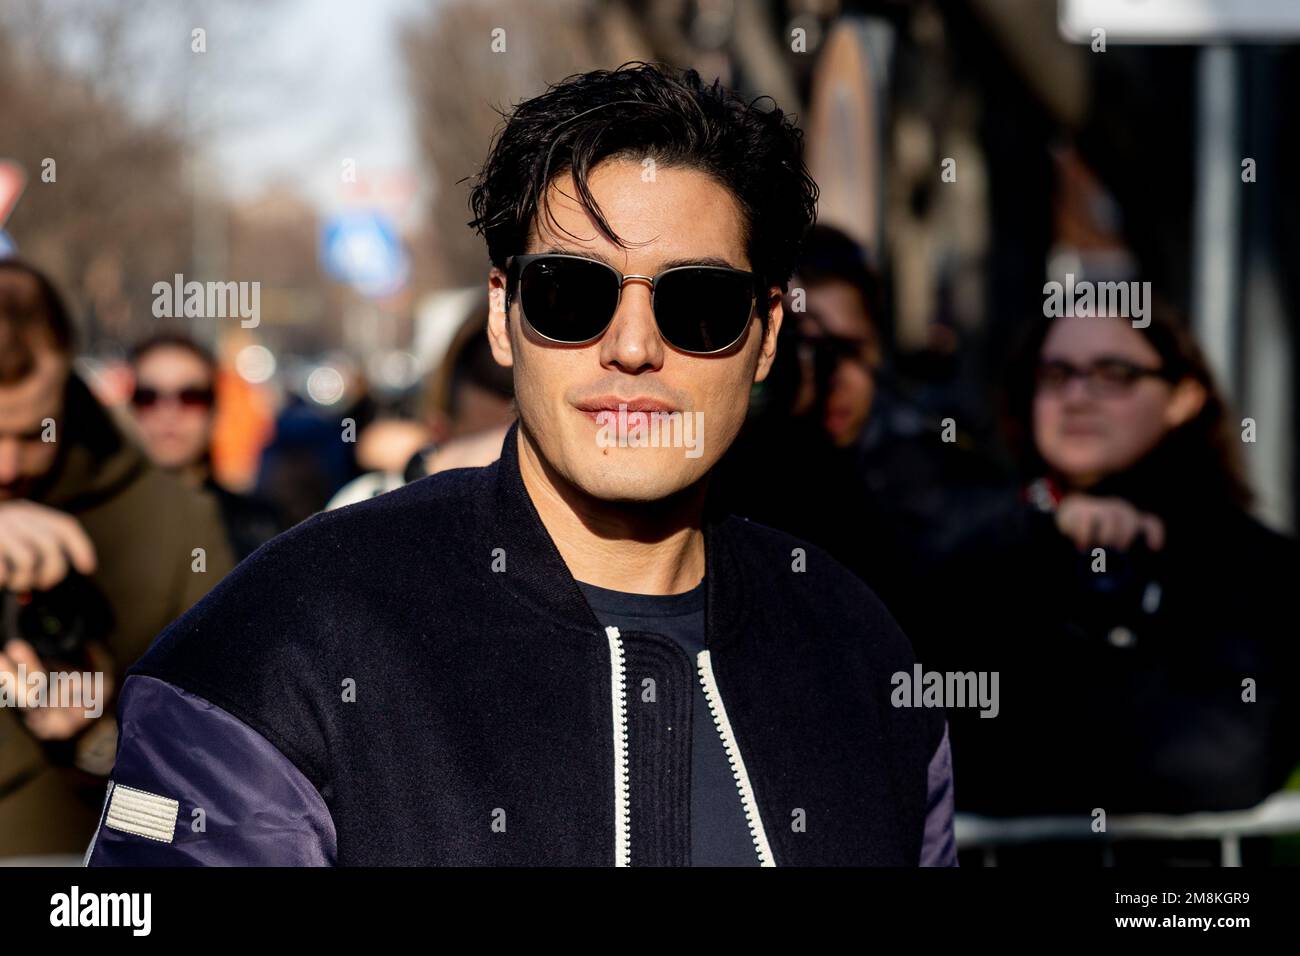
(1139, 617)
(309, 459)
(174, 405)
(861, 469)
(97, 541)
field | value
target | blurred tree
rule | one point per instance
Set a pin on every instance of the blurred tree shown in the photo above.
(112, 214)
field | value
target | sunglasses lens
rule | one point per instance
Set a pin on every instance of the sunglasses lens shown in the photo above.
(703, 310)
(568, 300)
(186, 397)
(196, 397)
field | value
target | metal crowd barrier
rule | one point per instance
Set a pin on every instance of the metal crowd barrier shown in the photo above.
(1278, 815)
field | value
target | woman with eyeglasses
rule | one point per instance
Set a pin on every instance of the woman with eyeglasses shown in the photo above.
(1139, 618)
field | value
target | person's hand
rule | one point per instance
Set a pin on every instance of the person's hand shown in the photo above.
(1092, 522)
(38, 545)
(59, 722)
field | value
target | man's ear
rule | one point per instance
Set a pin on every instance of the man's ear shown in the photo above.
(767, 351)
(498, 321)
(1185, 403)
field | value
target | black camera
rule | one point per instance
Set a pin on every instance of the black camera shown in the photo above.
(60, 622)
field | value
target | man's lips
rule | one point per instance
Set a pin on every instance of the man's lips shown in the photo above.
(607, 403)
(629, 414)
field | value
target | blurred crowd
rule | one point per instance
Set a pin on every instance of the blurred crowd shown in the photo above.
(1101, 559)
(113, 523)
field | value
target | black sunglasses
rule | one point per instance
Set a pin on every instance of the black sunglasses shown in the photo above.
(145, 397)
(571, 300)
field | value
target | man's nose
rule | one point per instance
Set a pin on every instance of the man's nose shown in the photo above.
(632, 342)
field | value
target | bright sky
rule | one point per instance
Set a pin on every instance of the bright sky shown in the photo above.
(326, 83)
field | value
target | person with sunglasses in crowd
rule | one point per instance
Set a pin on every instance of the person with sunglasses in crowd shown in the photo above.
(174, 406)
(1140, 618)
(97, 554)
(573, 656)
(843, 448)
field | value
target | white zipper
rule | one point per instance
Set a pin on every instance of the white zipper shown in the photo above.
(720, 720)
(622, 783)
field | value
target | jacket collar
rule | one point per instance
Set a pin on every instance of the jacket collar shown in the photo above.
(536, 573)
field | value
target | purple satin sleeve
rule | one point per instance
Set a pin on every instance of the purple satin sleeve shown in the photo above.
(258, 809)
(939, 846)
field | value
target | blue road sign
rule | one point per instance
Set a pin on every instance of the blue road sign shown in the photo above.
(362, 249)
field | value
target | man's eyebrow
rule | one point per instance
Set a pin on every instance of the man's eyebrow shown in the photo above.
(663, 267)
(580, 253)
(701, 261)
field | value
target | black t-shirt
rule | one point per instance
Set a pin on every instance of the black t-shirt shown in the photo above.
(719, 834)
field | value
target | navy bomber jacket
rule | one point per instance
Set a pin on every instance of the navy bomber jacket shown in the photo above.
(417, 679)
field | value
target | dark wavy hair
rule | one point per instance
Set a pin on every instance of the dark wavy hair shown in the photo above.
(1205, 449)
(639, 111)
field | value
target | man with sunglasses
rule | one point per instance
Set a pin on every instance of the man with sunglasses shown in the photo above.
(573, 656)
(97, 547)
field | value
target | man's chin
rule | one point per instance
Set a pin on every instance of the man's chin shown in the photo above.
(624, 478)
